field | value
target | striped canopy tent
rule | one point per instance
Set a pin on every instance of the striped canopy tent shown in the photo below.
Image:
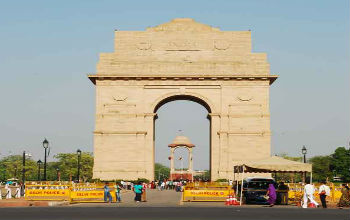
(272, 164)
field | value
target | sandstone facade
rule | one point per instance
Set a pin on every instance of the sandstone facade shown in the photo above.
(181, 59)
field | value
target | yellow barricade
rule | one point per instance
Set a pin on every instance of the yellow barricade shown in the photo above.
(47, 192)
(206, 185)
(296, 192)
(90, 194)
(205, 195)
(82, 192)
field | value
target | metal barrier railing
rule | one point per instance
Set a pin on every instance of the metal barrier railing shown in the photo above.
(89, 193)
(47, 192)
(65, 191)
(296, 191)
(207, 191)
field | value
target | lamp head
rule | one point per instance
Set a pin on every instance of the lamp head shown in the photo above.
(39, 162)
(45, 143)
(304, 150)
(79, 152)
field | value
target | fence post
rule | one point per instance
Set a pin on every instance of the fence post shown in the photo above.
(333, 192)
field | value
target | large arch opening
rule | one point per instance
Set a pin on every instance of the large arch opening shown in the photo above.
(186, 116)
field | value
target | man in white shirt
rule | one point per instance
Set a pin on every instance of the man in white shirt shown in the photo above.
(309, 191)
(8, 191)
(324, 191)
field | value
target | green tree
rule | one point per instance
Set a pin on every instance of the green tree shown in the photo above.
(12, 167)
(320, 168)
(67, 163)
(161, 171)
(340, 163)
(203, 177)
(206, 176)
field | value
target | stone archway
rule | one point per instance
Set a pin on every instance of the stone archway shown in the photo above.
(181, 58)
(184, 97)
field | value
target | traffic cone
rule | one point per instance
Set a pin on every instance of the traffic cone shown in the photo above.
(231, 200)
(235, 201)
(227, 200)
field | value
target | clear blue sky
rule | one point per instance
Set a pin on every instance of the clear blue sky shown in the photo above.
(48, 47)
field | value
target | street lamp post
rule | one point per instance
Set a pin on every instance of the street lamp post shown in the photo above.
(24, 170)
(45, 145)
(58, 174)
(24, 167)
(79, 158)
(4, 172)
(159, 172)
(304, 151)
(39, 166)
(182, 167)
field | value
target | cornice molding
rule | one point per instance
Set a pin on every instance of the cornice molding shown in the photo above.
(271, 78)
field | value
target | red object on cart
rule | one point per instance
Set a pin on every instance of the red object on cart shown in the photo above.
(311, 205)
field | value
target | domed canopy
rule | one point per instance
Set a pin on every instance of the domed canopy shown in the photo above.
(181, 141)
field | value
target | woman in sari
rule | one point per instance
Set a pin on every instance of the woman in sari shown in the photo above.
(271, 192)
(345, 197)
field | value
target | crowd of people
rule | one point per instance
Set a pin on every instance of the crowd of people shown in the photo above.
(139, 188)
(176, 185)
(308, 199)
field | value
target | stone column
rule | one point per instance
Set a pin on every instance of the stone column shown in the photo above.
(216, 152)
(172, 164)
(190, 162)
(148, 147)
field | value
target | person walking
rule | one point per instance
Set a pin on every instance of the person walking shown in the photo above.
(138, 192)
(8, 191)
(162, 186)
(309, 191)
(143, 195)
(117, 192)
(324, 191)
(271, 192)
(159, 185)
(107, 194)
(344, 200)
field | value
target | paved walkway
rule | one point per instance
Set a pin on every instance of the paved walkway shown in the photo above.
(155, 198)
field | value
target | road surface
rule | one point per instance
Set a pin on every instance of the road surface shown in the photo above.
(166, 205)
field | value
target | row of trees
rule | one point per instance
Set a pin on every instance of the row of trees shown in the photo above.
(65, 166)
(326, 167)
(336, 164)
(162, 172)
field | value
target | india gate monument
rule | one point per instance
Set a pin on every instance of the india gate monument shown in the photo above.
(180, 60)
